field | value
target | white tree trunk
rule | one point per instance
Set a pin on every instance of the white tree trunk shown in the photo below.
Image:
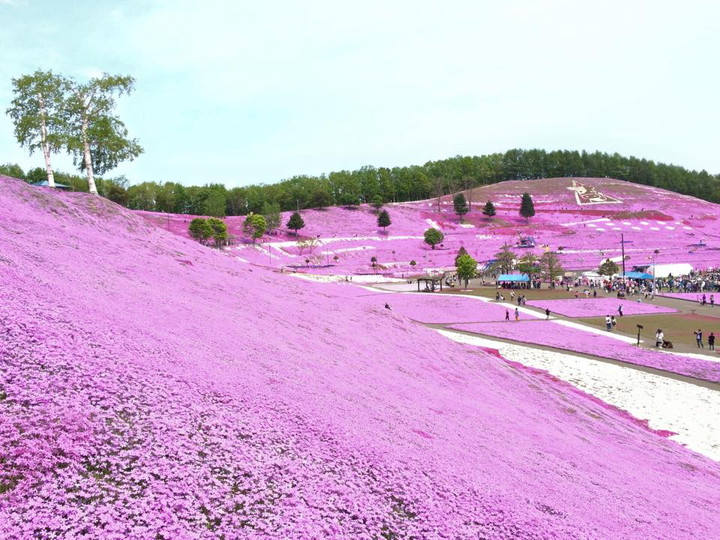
(46, 146)
(88, 158)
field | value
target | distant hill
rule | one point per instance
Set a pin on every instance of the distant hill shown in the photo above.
(583, 219)
(395, 184)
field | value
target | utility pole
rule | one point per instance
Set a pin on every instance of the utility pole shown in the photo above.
(655, 253)
(622, 245)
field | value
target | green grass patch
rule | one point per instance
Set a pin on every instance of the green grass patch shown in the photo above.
(677, 327)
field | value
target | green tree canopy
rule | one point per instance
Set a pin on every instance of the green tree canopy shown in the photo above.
(271, 213)
(460, 205)
(529, 264)
(295, 222)
(219, 229)
(13, 170)
(462, 251)
(489, 209)
(377, 202)
(433, 237)
(527, 207)
(254, 226)
(200, 230)
(466, 268)
(384, 219)
(215, 200)
(94, 135)
(550, 266)
(504, 260)
(38, 114)
(608, 268)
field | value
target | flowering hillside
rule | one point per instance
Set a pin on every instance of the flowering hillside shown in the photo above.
(582, 219)
(154, 388)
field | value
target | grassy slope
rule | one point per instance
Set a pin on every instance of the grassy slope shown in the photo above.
(150, 386)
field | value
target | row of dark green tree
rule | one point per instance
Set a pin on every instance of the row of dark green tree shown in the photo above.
(434, 179)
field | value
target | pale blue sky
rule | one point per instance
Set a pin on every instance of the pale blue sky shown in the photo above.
(242, 92)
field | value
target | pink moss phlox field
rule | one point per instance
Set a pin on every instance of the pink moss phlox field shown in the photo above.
(598, 307)
(552, 334)
(437, 308)
(682, 229)
(154, 388)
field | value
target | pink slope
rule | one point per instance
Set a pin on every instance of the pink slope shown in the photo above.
(155, 388)
(681, 228)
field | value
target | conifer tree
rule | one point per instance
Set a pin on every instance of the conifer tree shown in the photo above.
(489, 209)
(527, 207)
(296, 222)
(384, 219)
(460, 205)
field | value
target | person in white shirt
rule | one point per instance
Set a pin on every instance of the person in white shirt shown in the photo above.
(659, 338)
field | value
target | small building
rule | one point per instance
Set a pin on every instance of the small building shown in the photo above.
(45, 183)
(432, 283)
(525, 242)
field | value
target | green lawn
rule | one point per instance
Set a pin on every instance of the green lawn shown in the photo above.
(530, 294)
(677, 327)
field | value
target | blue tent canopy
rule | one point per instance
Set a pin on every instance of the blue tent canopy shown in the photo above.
(638, 275)
(513, 277)
(45, 183)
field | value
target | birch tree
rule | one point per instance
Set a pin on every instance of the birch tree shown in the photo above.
(96, 138)
(36, 112)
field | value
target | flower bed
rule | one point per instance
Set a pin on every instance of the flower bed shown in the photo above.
(556, 335)
(598, 307)
(445, 308)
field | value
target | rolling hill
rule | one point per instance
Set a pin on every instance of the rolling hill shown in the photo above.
(581, 218)
(152, 387)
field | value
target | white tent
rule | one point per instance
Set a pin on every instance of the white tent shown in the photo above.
(676, 269)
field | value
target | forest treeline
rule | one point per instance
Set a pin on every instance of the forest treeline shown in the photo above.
(397, 184)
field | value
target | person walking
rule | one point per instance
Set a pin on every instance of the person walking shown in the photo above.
(659, 338)
(547, 314)
(712, 300)
(620, 313)
(507, 315)
(613, 321)
(517, 314)
(608, 323)
(711, 341)
(698, 339)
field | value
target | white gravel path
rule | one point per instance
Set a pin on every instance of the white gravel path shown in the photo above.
(691, 411)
